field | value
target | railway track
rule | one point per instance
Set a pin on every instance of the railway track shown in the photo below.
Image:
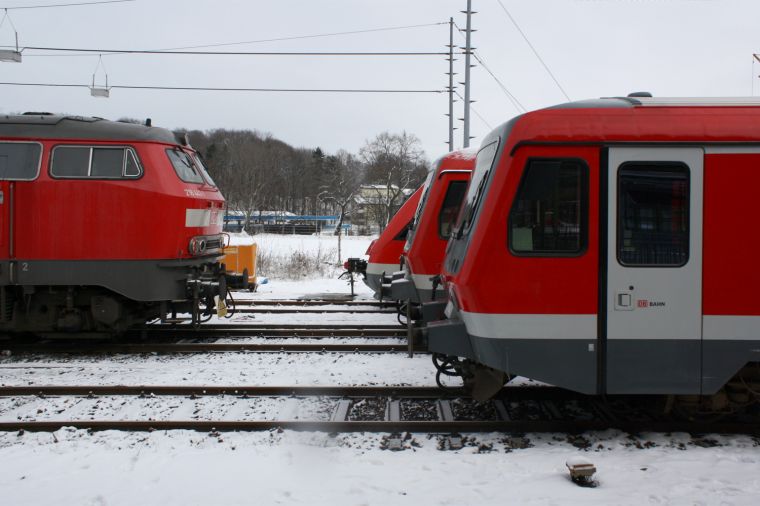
(269, 330)
(329, 409)
(87, 348)
(313, 306)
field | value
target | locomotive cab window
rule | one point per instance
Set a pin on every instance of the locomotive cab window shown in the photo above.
(549, 213)
(19, 161)
(184, 166)
(653, 214)
(452, 202)
(94, 162)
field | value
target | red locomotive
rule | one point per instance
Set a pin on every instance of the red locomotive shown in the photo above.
(444, 190)
(385, 251)
(103, 225)
(602, 248)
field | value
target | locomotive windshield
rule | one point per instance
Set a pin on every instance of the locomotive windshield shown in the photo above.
(184, 166)
(204, 170)
(474, 193)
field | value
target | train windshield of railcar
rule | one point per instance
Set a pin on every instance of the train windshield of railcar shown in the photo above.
(204, 170)
(425, 191)
(477, 186)
(184, 166)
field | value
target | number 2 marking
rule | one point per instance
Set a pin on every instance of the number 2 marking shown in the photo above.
(24, 267)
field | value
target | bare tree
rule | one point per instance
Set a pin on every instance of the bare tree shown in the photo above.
(395, 163)
(341, 180)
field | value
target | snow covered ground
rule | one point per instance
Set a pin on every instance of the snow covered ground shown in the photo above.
(75, 467)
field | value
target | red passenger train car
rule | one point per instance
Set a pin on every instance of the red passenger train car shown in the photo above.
(604, 247)
(444, 190)
(103, 225)
(385, 251)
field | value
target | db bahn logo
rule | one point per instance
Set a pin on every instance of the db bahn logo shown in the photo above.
(643, 303)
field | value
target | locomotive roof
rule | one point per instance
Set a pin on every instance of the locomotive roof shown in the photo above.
(49, 126)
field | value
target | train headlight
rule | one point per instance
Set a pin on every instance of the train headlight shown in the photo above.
(197, 246)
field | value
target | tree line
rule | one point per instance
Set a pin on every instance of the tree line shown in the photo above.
(258, 173)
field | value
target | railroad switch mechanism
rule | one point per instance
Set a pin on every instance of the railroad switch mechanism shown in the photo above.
(581, 471)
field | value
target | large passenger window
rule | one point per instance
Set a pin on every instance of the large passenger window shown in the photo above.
(94, 162)
(452, 202)
(653, 214)
(549, 214)
(19, 161)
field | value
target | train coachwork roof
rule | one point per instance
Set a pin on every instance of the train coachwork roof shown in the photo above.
(46, 126)
(638, 119)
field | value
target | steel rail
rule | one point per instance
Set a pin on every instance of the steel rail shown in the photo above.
(225, 331)
(180, 347)
(309, 310)
(513, 393)
(313, 302)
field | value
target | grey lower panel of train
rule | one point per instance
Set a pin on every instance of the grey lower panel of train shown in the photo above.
(633, 366)
(141, 280)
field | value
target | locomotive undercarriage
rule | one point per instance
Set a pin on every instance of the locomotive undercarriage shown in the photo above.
(68, 311)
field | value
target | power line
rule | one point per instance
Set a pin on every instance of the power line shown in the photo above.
(546, 67)
(512, 98)
(237, 53)
(476, 113)
(202, 88)
(65, 5)
(277, 39)
(314, 36)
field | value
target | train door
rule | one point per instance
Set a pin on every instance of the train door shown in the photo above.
(19, 161)
(654, 270)
(5, 216)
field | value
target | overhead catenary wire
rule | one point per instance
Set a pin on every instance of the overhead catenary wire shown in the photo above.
(486, 123)
(535, 52)
(204, 88)
(77, 4)
(276, 39)
(512, 98)
(236, 53)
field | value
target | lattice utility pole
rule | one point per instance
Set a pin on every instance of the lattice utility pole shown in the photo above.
(450, 87)
(467, 52)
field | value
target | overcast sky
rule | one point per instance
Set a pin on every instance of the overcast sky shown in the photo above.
(594, 48)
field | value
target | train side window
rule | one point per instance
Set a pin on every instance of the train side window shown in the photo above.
(653, 214)
(107, 162)
(70, 161)
(184, 166)
(20, 161)
(111, 162)
(452, 202)
(549, 215)
(131, 167)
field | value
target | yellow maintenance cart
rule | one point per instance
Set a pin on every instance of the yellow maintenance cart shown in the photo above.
(240, 262)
